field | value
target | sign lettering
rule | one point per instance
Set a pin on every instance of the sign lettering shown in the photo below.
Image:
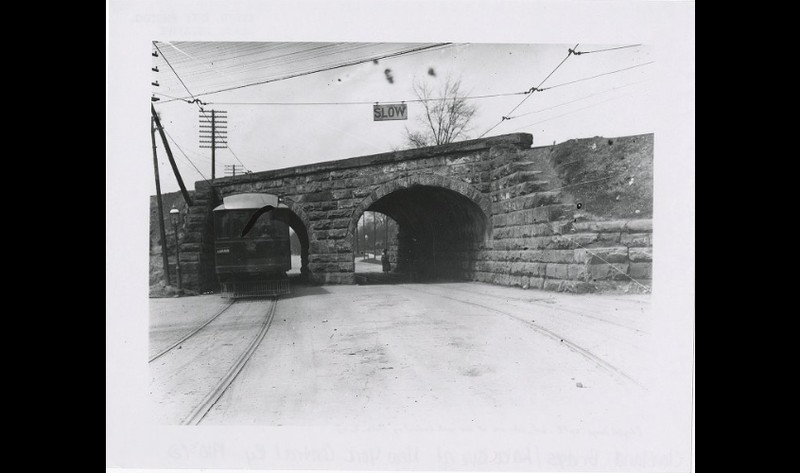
(390, 111)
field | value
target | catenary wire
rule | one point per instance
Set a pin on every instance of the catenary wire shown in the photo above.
(193, 98)
(367, 102)
(533, 89)
(578, 53)
(598, 75)
(299, 74)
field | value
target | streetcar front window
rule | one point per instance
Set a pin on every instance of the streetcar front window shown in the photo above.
(229, 224)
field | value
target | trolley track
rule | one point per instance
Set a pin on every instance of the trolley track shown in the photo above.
(190, 333)
(200, 411)
(600, 362)
(193, 379)
(551, 307)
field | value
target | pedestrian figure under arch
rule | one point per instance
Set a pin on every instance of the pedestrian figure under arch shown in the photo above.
(387, 266)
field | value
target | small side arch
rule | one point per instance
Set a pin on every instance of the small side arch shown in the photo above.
(299, 222)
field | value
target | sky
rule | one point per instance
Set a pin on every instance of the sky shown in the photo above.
(270, 127)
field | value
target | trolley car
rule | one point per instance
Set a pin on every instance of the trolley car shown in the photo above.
(254, 263)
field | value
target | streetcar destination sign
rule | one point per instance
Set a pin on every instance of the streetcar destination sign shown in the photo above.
(390, 111)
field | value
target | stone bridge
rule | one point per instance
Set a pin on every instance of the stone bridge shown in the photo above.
(569, 217)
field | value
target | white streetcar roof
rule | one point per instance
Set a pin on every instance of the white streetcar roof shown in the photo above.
(252, 200)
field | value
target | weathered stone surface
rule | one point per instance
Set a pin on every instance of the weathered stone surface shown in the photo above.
(608, 255)
(577, 272)
(636, 239)
(330, 223)
(318, 197)
(191, 237)
(644, 225)
(592, 227)
(321, 206)
(552, 285)
(641, 270)
(330, 267)
(536, 283)
(532, 269)
(640, 254)
(331, 234)
(190, 247)
(576, 240)
(555, 256)
(608, 271)
(186, 257)
(330, 258)
(330, 246)
(557, 271)
(334, 278)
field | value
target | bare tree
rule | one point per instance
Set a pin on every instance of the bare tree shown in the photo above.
(447, 114)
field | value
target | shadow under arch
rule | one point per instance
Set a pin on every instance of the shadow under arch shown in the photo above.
(296, 218)
(444, 224)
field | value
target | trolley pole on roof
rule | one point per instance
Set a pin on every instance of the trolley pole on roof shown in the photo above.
(162, 232)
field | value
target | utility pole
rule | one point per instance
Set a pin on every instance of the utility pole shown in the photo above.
(162, 232)
(177, 173)
(213, 134)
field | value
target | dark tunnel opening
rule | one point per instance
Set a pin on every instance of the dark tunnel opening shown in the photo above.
(441, 233)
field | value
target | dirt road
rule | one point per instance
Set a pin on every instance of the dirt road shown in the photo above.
(443, 355)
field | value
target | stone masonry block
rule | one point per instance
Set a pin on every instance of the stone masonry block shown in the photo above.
(557, 271)
(553, 285)
(577, 272)
(644, 225)
(608, 255)
(640, 254)
(636, 239)
(535, 283)
(609, 226)
(608, 271)
(330, 223)
(641, 270)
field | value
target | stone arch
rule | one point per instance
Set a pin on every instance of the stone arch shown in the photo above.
(422, 179)
(443, 225)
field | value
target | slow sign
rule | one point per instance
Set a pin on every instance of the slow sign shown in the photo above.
(390, 111)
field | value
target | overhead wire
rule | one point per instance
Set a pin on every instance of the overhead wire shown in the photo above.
(577, 100)
(185, 155)
(318, 49)
(195, 100)
(573, 111)
(370, 102)
(259, 62)
(540, 89)
(314, 71)
(570, 52)
(598, 75)
(578, 53)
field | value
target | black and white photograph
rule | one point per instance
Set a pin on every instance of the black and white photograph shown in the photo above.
(340, 248)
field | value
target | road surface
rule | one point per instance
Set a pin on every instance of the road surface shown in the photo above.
(434, 355)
